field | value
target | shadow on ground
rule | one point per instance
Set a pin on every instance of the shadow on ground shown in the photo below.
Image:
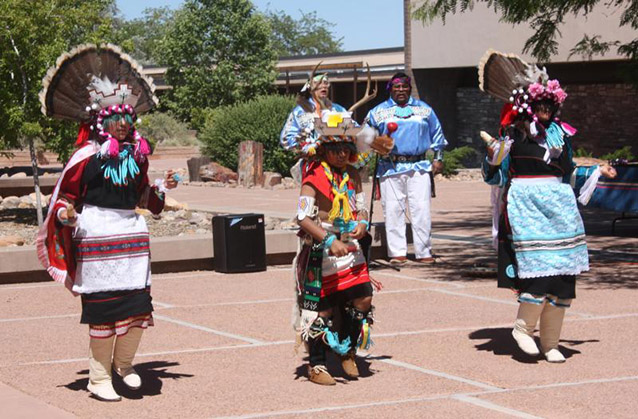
(151, 373)
(500, 342)
(333, 363)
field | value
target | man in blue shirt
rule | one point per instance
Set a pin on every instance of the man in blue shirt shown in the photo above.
(404, 175)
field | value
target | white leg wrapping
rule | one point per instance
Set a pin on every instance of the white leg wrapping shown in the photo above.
(550, 327)
(100, 383)
(524, 326)
(125, 349)
(393, 200)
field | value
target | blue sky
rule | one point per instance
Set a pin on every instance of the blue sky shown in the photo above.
(363, 24)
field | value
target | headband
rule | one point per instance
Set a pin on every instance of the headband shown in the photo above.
(395, 80)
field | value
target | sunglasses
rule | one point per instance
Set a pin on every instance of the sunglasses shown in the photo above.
(339, 147)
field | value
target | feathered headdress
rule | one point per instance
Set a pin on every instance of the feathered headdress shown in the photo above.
(507, 77)
(521, 85)
(90, 74)
(90, 83)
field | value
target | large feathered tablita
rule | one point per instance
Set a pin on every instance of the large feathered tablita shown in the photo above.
(70, 86)
(500, 74)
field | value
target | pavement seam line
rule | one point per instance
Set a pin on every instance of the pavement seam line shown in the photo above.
(208, 329)
(412, 278)
(57, 316)
(439, 374)
(476, 297)
(334, 408)
(495, 300)
(378, 335)
(467, 397)
(493, 406)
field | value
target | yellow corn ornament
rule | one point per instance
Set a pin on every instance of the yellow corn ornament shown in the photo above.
(340, 204)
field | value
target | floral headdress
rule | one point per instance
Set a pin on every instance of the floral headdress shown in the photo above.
(523, 97)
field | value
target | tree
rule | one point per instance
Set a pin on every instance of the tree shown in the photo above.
(545, 18)
(259, 119)
(306, 36)
(146, 34)
(32, 35)
(218, 52)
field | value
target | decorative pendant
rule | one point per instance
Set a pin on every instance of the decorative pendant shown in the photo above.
(403, 112)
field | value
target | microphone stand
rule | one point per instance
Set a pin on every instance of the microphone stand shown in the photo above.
(375, 264)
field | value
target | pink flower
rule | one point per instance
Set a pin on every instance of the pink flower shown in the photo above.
(535, 90)
(553, 85)
(560, 95)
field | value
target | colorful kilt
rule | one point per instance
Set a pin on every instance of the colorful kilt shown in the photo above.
(343, 279)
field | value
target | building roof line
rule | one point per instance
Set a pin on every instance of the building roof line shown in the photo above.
(342, 53)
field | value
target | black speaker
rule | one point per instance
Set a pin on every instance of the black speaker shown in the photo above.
(239, 243)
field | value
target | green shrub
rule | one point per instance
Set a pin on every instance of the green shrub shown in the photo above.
(260, 119)
(582, 152)
(456, 158)
(622, 153)
(163, 129)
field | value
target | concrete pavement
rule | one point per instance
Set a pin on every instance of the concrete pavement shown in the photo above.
(223, 346)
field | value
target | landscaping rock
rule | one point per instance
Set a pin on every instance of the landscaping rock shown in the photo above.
(289, 183)
(6, 241)
(196, 218)
(215, 172)
(183, 214)
(170, 204)
(271, 179)
(289, 225)
(270, 223)
(11, 202)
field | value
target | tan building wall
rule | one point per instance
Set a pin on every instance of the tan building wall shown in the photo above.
(466, 36)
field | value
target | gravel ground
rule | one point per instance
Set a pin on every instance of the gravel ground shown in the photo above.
(22, 222)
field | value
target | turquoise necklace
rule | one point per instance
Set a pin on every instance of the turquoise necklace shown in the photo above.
(119, 170)
(403, 112)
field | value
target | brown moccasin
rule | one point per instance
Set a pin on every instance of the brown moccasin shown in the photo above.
(320, 375)
(349, 365)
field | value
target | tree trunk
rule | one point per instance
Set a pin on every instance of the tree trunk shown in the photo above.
(407, 44)
(36, 180)
(251, 163)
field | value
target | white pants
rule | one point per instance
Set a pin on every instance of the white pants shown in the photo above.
(401, 193)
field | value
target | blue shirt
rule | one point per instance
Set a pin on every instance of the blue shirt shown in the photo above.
(300, 120)
(418, 131)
